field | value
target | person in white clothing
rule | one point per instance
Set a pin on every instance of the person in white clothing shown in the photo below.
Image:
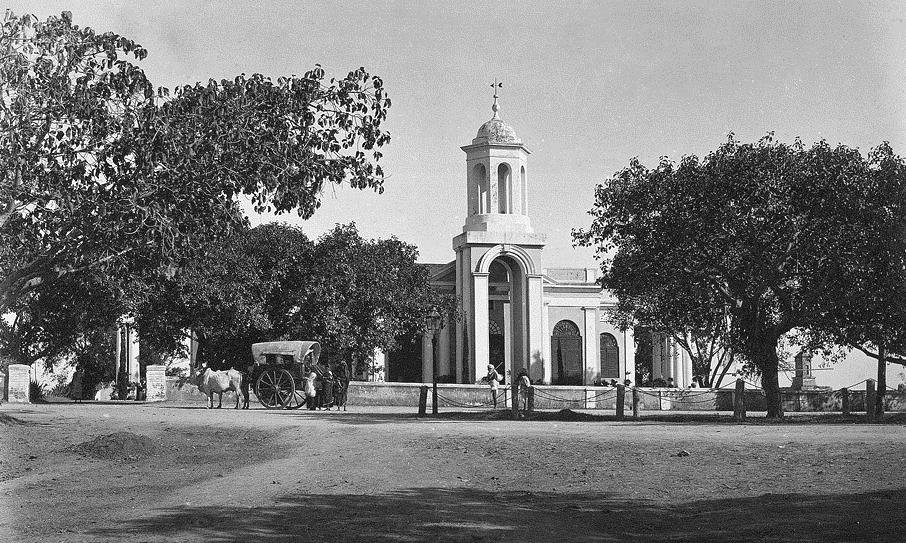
(493, 378)
(309, 388)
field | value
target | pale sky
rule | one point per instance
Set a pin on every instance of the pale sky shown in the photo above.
(587, 86)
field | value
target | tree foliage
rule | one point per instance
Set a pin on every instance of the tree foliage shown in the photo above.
(868, 310)
(272, 283)
(101, 170)
(768, 231)
(50, 324)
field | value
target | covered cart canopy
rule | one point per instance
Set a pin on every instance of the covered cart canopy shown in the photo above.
(295, 349)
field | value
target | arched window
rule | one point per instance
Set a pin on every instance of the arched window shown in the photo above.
(479, 200)
(610, 357)
(504, 181)
(494, 328)
(523, 191)
(566, 328)
(566, 354)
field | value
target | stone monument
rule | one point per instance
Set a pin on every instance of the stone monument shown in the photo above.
(155, 383)
(18, 383)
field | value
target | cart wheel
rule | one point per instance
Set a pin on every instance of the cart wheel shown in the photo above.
(296, 399)
(274, 388)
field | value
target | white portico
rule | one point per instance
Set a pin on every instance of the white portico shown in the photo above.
(498, 260)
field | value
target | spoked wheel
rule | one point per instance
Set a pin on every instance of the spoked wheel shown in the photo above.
(296, 399)
(275, 387)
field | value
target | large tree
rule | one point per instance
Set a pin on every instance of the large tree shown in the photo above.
(100, 170)
(270, 283)
(764, 229)
(363, 294)
(868, 311)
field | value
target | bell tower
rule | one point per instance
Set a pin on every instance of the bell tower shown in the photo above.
(498, 261)
(496, 177)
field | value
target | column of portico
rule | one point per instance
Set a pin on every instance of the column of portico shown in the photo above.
(536, 326)
(508, 366)
(687, 370)
(457, 371)
(628, 355)
(590, 339)
(427, 359)
(443, 348)
(480, 328)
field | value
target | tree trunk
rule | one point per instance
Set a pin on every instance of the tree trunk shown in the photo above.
(768, 363)
(882, 380)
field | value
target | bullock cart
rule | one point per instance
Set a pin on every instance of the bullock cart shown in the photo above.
(279, 371)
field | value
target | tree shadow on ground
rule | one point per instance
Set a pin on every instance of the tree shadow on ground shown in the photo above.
(568, 415)
(463, 514)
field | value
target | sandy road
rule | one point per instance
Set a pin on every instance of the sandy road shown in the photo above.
(383, 475)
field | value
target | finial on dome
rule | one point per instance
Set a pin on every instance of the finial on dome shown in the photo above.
(495, 108)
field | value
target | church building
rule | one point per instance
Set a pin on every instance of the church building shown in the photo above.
(515, 312)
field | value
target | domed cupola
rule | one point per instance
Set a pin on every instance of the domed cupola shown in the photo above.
(496, 131)
(496, 176)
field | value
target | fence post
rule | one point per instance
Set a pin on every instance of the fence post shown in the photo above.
(422, 401)
(870, 398)
(635, 402)
(845, 400)
(530, 404)
(739, 401)
(621, 402)
(515, 405)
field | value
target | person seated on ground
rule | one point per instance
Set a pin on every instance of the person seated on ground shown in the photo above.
(614, 383)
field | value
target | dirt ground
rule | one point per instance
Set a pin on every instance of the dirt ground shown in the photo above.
(165, 472)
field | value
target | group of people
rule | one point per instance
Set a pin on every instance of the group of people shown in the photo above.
(325, 388)
(495, 379)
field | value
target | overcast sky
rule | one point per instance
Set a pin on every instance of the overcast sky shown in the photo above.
(587, 86)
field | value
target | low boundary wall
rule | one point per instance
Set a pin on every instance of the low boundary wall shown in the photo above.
(574, 397)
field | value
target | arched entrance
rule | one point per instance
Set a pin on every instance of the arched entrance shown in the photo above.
(506, 315)
(504, 287)
(566, 354)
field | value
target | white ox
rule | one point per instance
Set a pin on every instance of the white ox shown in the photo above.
(212, 382)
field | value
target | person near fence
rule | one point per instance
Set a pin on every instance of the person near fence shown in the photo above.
(493, 379)
(524, 383)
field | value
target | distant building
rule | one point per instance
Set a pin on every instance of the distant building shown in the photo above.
(515, 312)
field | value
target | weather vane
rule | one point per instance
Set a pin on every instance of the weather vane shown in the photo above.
(495, 86)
